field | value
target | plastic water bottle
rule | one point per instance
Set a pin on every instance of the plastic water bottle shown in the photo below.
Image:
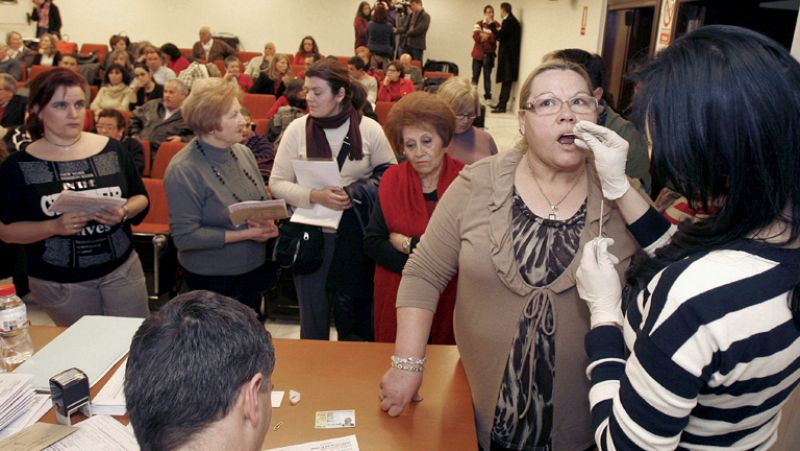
(14, 327)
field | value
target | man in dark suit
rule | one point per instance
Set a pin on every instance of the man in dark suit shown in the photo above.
(160, 120)
(12, 106)
(417, 30)
(210, 49)
(509, 35)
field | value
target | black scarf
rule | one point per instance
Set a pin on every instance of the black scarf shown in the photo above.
(317, 144)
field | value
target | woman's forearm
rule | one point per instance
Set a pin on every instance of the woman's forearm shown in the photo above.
(27, 232)
(413, 330)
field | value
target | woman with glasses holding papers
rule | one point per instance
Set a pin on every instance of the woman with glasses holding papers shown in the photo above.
(79, 262)
(332, 126)
(469, 143)
(211, 173)
(512, 225)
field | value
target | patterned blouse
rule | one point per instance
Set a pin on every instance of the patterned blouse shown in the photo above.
(543, 249)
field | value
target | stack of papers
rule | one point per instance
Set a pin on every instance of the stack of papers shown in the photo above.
(20, 406)
(93, 344)
(89, 201)
(111, 399)
(98, 432)
(348, 443)
(265, 209)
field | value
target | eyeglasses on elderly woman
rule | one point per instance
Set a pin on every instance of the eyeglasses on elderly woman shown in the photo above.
(548, 105)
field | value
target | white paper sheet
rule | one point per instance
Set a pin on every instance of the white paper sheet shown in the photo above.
(315, 175)
(88, 201)
(93, 344)
(111, 399)
(276, 398)
(40, 405)
(348, 443)
(100, 432)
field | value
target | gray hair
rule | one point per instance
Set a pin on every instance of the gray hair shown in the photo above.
(179, 85)
(8, 82)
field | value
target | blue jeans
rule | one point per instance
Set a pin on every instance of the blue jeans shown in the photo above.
(487, 64)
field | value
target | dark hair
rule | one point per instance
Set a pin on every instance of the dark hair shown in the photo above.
(379, 14)
(142, 66)
(505, 6)
(419, 109)
(42, 89)
(293, 88)
(337, 77)
(721, 107)
(187, 363)
(171, 50)
(126, 76)
(115, 114)
(314, 48)
(119, 37)
(359, 14)
(357, 62)
(592, 63)
(399, 66)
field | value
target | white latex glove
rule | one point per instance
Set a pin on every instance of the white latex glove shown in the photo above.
(610, 155)
(598, 283)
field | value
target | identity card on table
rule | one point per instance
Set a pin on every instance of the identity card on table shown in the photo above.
(332, 419)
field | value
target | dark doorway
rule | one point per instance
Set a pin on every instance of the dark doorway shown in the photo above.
(628, 41)
(775, 19)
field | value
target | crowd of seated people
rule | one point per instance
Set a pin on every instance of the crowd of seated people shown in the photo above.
(408, 262)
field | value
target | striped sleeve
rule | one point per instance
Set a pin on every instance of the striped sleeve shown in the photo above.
(714, 355)
(637, 404)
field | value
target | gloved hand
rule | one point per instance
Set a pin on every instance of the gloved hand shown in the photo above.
(610, 155)
(598, 283)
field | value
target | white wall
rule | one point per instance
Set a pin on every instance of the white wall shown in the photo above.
(547, 24)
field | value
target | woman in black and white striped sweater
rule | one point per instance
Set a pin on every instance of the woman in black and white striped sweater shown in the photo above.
(712, 324)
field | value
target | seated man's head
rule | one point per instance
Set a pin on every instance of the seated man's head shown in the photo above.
(405, 59)
(110, 123)
(69, 61)
(175, 93)
(153, 61)
(233, 66)
(356, 66)
(363, 53)
(205, 34)
(8, 87)
(198, 376)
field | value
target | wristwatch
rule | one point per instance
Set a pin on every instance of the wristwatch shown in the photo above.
(407, 245)
(125, 215)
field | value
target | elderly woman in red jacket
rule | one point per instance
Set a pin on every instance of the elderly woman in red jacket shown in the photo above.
(395, 85)
(419, 127)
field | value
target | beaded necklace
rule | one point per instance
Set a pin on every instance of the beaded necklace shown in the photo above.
(222, 180)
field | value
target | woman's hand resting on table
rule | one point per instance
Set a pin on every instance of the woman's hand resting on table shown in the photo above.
(398, 389)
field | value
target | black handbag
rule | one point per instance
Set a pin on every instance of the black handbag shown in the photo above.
(299, 248)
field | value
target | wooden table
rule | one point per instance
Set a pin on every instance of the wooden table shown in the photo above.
(345, 375)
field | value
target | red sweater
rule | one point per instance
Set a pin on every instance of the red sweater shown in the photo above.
(392, 92)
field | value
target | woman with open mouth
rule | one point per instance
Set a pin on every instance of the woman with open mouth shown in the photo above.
(513, 225)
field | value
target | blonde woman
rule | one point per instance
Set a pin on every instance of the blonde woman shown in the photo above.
(212, 172)
(274, 80)
(48, 54)
(512, 226)
(469, 143)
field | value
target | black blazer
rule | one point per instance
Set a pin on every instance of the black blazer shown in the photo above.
(37, 60)
(14, 113)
